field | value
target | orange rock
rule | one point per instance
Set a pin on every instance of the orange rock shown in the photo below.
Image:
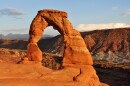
(75, 48)
(37, 75)
(34, 53)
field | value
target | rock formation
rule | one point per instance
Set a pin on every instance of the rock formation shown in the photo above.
(77, 60)
(75, 49)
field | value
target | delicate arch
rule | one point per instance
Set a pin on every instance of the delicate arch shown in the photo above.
(75, 48)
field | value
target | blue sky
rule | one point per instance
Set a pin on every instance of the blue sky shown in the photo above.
(16, 15)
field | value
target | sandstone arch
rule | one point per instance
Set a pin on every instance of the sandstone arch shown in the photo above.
(75, 48)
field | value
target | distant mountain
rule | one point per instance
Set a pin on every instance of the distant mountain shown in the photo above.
(1, 36)
(20, 36)
(111, 45)
(16, 36)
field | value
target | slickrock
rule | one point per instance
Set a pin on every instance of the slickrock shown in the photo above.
(37, 75)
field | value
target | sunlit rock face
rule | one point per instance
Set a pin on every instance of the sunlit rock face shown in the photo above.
(75, 49)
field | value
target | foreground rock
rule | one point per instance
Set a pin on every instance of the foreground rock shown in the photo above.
(37, 75)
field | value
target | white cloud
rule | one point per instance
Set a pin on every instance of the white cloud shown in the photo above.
(90, 27)
(11, 12)
(125, 14)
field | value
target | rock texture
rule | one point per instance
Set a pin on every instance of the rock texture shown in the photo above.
(111, 39)
(22, 75)
(75, 49)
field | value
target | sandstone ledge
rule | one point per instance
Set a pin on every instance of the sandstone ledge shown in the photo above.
(37, 75)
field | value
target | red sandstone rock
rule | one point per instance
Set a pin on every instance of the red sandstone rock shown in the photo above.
(34, 53)
(75, 48)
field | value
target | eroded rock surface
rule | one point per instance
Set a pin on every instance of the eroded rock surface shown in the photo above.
(75, 48)
(77, 60)
(37, 75)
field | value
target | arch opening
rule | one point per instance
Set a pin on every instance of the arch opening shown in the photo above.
(52, 42)
(50, 31)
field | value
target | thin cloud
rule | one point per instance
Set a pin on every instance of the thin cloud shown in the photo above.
(125, 14)
(114, 8)
(11, 12)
